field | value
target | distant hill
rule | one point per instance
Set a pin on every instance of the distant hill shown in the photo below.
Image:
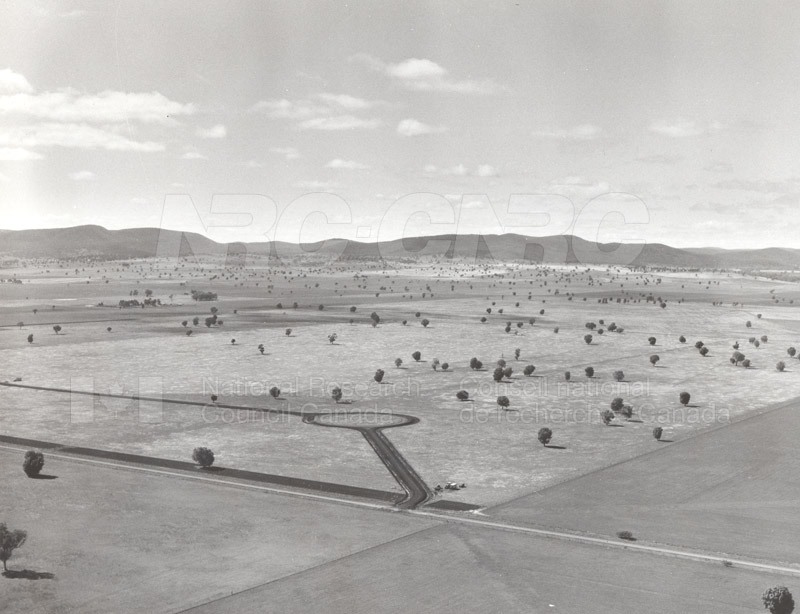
(99, 242)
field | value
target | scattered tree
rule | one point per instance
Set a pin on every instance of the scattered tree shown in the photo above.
(462, 395)
(528, 370)
(685, 397)
(587, 339)
(336, 394)
(57, 328)
(275, 392)
(658, 432)
(398, 362)
(654, 359)
(619, 376)
(503, 402)
(425, 323)
(378, 377)
(10, 541)
(780, 366)
(651, 340)
(416, 356)
(332, 338)
(778, 599)
(617, 403)
(203, 457)
(33, 463)
(30, 338)
(607, 416)
(589, 371)
(545, 435)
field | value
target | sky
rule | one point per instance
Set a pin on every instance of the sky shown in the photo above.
(672, 122)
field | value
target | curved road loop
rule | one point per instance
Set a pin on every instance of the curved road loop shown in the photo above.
(417, 492)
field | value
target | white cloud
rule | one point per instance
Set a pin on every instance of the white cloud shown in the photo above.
(346, 164)
(13, 83)
(138, 200)
(341, 122)
(193, 155)
(290, 153)
(413, 127)
(69, 105)
(454, 171)
(215, 132)
(486, 170)
(345, 101)
(583, 132)
(420, 74)
(82, 176)
(286, 109)
(78, 136)
(683, 128)
(8, 154)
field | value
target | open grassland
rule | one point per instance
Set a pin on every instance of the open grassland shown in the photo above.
(458, 569)
(492, 450)
(733, 491)
(119, 540)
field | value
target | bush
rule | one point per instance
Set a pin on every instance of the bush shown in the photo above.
(555, 330)
(626, 411)
(607, 416)
(33, 463)
(778, 600)
(503, 402)
(746, 363)
(398, 362)
(654, 359)
(780, 366)
(567, 375)
(336, 394)
(416, 356)
(475, 364)
(685, 397)
(587, 339)
(545, 435)
(589, 371)
(528, 370)
(658, 432)
(617, 403)
(445, 366)
(497, 375)
(703, 351)
(626, 535)
(462, 395)
(425, 323)
(651, 340)
(619, 375)
(791, 352)
(682, 339)
(203, 457)
(30, 338)
(275, 392)
(378, 377)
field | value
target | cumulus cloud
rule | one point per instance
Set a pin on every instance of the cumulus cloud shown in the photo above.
(13, 83)
(8, 154)
(78, 136)
(486, 170)
(340, 122)
(683, 128)
(413, 127)
(315, 185)
(69, 105)
(583, 132)
(82, 176)
(290, 153)
(337, 112)
(346, 164)
(215, 132)
(193, 155)
(424, 75)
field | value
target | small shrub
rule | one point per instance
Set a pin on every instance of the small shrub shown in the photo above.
(626, 535)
